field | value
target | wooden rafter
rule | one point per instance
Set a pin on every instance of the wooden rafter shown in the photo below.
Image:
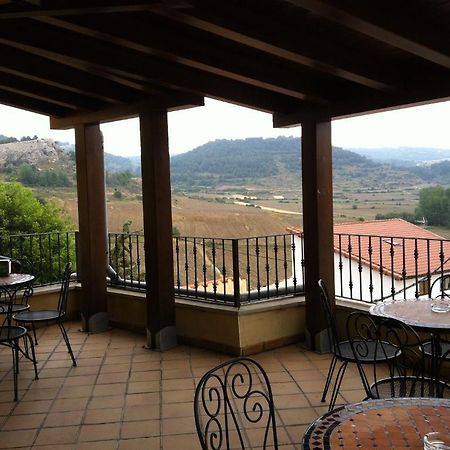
(375, 31)
(50, 94)
(140, 73)
(243, 37)
(24, 9)
(216, 69)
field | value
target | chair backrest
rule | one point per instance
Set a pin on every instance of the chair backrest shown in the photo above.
(332, 334)
(64, 292)
(397, 354)
(22, 265)
(438, 287)
(233, 407)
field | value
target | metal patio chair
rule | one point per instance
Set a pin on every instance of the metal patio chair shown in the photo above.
(233, 407)
(11, 335)
(342, 350)
(404, 375)
(444, 342)
(51, 315)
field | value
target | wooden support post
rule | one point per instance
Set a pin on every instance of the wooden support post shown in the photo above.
(156, 196)
(317, 225)
(92, 226)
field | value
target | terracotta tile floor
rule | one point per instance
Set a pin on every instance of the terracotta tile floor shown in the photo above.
(122, 396)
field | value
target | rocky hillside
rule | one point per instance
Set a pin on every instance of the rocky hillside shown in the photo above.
(44, 154)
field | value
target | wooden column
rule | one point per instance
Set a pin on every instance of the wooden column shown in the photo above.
(156, 196)
(317, 225)
(92, 238)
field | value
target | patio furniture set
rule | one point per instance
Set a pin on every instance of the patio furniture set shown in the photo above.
(406, 396)
(15, 292)
(402, 375)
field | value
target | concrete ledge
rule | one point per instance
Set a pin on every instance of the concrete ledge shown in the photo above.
(250, 329)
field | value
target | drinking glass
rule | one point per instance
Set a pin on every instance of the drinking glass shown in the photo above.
(436, 441)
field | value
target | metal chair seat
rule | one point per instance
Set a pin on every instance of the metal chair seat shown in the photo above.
(38, 316)
(374, 352)
(444, 353)
(49, 315)
(11, 333)
(409, 387)
(15, 307)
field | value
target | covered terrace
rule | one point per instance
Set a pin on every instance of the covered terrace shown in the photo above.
(306, 62)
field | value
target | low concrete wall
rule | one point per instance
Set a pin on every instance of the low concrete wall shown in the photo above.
(236, 331)
(246, 330)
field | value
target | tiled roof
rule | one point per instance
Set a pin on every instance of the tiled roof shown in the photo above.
(391, 246)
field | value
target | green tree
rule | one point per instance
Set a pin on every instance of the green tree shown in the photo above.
(23, 220)
(27, 174)
(434, 205)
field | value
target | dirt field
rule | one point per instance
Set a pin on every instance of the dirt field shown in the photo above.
(212, 216)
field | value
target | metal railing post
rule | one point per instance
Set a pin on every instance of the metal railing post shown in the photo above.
(236, 279)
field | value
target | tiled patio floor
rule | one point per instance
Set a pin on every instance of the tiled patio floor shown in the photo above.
(122, 396)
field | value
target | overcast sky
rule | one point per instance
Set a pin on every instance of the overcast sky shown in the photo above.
(424, 126)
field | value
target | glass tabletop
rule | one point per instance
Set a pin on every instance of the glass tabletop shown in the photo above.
(416, 312)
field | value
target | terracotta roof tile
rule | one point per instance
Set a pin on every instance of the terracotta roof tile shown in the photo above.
(391, 245)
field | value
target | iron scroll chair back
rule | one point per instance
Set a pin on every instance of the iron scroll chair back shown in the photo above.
(52, 315)
(233, 407)
(404, 375)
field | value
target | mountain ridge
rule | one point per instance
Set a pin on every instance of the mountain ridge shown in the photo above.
(224, 163)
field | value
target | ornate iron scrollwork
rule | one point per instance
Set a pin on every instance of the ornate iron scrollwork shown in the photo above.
(233, 406)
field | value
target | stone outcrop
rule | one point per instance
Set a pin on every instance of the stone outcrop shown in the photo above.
(41, 153)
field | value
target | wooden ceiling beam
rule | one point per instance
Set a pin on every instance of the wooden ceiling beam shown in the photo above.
(47, 93)
(243, 37)
(17, 100)
(393, 38)
(19, 10)
(126, 111)
(121, 66)
(357, 107)
(264, 80)
(52, 73)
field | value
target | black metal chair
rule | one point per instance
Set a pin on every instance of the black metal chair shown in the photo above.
(404, 375)
(443, 342)
(233, 407)
(52, 315)
(10, 336)
(342, 351)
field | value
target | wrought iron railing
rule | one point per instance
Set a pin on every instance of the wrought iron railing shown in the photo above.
(373, 268)
(216, 269)
(234, 271)
(43, 254)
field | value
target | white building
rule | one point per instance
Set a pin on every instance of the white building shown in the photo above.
(375, 258)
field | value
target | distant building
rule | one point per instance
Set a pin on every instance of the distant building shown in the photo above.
(385, 254)
(278, 197)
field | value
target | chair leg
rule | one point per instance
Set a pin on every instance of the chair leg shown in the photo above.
(66, 340)
(33, 356)
(15, 353)
(329, 378)
(34, 333)
(337, 385)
